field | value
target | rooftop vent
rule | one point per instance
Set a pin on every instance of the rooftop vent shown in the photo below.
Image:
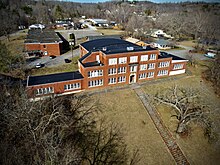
(104, 48)
(144, 47)
(130, 48)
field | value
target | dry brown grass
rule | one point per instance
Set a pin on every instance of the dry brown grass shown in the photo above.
(125, 109)
(196, 147)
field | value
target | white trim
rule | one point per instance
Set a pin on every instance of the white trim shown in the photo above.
(176, 61)
(177, 72)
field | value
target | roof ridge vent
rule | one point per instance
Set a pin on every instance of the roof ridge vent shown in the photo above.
(104, 48)
(130, 48)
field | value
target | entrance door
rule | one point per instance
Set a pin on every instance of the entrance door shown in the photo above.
(132, 78)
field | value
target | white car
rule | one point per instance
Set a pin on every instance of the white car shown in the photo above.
(39, 65)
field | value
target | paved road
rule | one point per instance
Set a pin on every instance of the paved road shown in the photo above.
(185, 52)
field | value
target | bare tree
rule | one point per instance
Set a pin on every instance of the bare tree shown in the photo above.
(188, 106)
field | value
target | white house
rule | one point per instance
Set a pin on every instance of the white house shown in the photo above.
(159, 33)
(162, 44)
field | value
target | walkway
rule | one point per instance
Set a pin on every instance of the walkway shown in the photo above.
(173, 147)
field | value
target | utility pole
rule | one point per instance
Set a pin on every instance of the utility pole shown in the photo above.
(72, 42)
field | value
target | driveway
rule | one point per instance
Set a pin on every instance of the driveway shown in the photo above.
(185, 53)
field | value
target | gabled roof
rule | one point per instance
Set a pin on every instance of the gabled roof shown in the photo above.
(162, 42)
(52, 78)
(42, 36)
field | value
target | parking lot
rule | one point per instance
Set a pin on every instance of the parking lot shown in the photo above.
(59, 60)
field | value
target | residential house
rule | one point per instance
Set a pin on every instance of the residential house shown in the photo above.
(45, 41)
(162, 44)
(108, 62)
(157, 33)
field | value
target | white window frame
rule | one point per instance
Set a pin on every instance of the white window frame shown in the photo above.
(143, 67)
(142, 75)
(44, 91)
(112, 71)
(144, 57)
(150, 74)
(121, 70)
(71, 86)
(122, 60)
(133, 68)
(112, 61)
(153, 56)
(133, 59)
(95, 73)
(162, 72)
(112, 80)
(95, 83)
(164, 64)
(178, 66)
(151, 66)
(121, 79)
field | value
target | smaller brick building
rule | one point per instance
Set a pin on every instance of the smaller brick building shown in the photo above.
(46, 42)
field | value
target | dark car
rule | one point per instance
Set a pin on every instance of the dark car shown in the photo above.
(67, 61)
(52, 57)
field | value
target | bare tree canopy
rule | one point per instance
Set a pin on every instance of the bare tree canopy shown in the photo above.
(189, 107)
(56, 131)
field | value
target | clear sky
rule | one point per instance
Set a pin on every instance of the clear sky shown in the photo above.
(156, 1)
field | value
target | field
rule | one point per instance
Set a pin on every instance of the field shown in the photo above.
(124, 108)
(110, 31)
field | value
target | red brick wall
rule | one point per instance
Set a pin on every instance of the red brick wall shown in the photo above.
(52, 49)
(58, 87)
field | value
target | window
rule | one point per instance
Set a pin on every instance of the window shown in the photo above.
(144, 57)
(122, 60)
(178, 66)
(95, 73)
(112, 80)
(143, 67)
(44, 46)
(71, 86)
(121, 79)
(95, 83)
(164, 64)
(122, 70)
(162, 72)
(142, 76)
(133, 68)
(42, 91)
(153, 57)
(133, 59)
(112, 61)
(151, 66)
(112, 71)
(150, 74)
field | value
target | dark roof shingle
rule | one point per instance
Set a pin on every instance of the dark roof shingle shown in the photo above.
(52, 78)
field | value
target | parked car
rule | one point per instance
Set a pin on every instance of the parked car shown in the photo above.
(210, 55)
(39, 65)
(67, 60)
(52, 57)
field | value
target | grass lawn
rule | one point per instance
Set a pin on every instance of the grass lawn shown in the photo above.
(125, 109)
(196, 146)
(110, 31)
